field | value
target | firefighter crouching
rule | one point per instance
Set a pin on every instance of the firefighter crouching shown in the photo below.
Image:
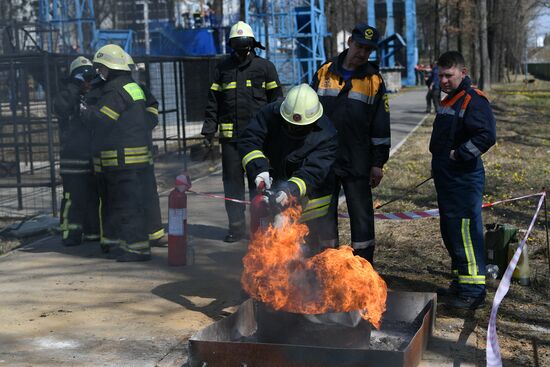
(120, 146)
(294, 142)
(153, 216)
(80, 203)
(243, 83)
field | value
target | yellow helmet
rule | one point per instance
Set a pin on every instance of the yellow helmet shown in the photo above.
(79, 62)
(129, 60)
(241, 29)
(113, 57)
(301, 106)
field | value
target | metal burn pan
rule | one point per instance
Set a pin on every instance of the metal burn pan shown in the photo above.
(256, 336)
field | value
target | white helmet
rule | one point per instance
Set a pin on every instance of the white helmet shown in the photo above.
(79, 62)
(301, 106)
(241, 29)
(113, 57)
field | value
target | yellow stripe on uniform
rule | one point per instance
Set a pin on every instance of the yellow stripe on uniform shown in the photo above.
(108, 154)
(153, 110)
(135, 91)
(248, 83)
(231, 85)
(216, 87)
(251, 156)
(316, 208)
(156, 235)
(110, 113)
(474, 279)
(136, 159)
(469, 251)
(136, 150)
(271, 85)
(301, 185)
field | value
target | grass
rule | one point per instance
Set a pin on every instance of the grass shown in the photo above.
(410, 254)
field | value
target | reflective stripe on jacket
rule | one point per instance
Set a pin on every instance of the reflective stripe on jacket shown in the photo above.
(475, 130)
(119, 120)
(237, 92)
(359, 109)
(306, 163)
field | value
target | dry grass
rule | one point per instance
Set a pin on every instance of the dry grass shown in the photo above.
(410, 254)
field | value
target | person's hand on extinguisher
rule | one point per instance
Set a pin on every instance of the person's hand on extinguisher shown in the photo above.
(263, 181)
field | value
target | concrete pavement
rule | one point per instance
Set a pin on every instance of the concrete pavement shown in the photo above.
(73, 307)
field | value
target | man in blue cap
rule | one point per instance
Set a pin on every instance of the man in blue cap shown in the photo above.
(354, 98)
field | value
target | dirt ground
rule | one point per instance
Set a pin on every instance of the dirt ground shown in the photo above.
(410, 254)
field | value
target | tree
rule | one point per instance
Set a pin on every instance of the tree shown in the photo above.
(485, 79)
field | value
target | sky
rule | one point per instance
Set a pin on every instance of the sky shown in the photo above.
(541, 25)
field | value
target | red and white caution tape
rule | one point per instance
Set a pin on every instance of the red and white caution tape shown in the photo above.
(213, 196)
(493, 356)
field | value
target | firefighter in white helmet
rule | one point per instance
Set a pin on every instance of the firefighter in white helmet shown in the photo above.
(292, 144)
(80, 203)
(116, 112)
(242, 84)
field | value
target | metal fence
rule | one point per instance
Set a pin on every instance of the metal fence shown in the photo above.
(29, 132)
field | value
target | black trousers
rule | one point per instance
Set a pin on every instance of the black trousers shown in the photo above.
(155, 228)
(79, 208)
(123, 209)
(359, 201)
(233, 187)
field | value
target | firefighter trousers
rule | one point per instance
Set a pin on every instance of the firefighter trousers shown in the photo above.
(123, 211)
(155, 228)
(79, 208)
(359, 202)
(233, 187)
(459, 187)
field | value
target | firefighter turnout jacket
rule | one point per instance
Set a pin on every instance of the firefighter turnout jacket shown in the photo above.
(305, 162)
(359, 109)
(121, 130)
(238, 91)
(74, 135)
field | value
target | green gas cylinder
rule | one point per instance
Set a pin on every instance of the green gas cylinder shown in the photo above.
(497, 239)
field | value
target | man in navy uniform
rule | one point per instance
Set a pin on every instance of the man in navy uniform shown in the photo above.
(464, 129)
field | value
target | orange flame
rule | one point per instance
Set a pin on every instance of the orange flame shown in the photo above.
(277, 273)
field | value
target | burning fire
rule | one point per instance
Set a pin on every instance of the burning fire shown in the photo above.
(277, 273)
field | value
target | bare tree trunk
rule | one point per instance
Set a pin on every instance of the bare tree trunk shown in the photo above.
(485, 80)
(436, 30)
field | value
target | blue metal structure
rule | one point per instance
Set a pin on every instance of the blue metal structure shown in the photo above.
(412, 49)
(390, 29)
(293, 32)
(74, 23)
(74, 20)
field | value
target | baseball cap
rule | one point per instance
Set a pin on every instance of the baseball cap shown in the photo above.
(366, 35)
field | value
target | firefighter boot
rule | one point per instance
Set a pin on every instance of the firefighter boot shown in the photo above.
(466, 303)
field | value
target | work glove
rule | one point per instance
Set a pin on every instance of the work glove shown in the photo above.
(281, 200)
(265, 178)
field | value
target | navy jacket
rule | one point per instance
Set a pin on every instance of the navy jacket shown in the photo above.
(359, 108)
(306, 162)
(475, 130)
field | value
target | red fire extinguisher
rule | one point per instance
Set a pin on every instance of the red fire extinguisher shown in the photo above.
(177, 222)
(260, 216)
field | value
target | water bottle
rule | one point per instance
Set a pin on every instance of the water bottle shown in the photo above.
(492, 271)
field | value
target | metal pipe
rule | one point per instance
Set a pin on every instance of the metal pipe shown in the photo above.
(50, 132)
(175, 65)
(163, 106)
(13, 106)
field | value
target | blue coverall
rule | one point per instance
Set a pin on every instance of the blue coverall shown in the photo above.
(459, 182)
